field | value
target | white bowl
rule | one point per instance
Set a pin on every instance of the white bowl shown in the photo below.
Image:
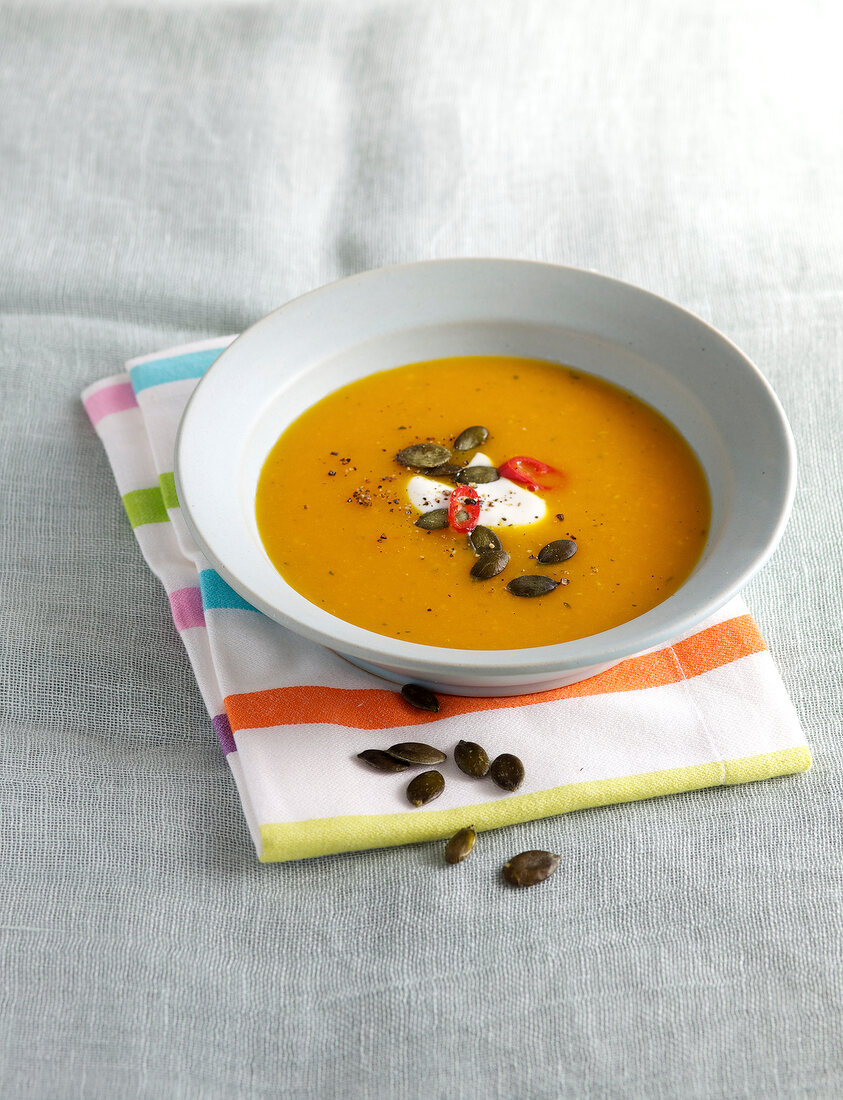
(671, 359)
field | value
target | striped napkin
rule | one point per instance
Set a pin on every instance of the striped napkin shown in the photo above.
(291, 716)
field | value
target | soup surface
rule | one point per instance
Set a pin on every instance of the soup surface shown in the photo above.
(337, 511)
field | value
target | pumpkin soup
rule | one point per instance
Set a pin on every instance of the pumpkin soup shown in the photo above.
(483, 503)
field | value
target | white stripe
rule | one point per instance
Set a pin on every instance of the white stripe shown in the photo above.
(253, 653)
(124, 437)
(296, 773)
(195, 641)
(747, 708)
(162, 408)
(185, 540)
(233, 759)
(163, 554)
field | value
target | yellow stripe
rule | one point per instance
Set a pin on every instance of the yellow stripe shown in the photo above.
(768, 764)
(324, 836)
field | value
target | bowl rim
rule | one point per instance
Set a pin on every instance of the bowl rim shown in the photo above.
(606, 647)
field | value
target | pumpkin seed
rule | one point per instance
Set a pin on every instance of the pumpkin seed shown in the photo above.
(423, 455)
(477, 475)
(425, 787)
(489, 564)
(447, 469)
(433, 521)
(459, 846)
(416, 752)
(471, 437)
(381, 761)
(530, 868)
(482, 539)
(471, 758)
(531, 585)
(507, 771)
(421, 697)
(559, 550)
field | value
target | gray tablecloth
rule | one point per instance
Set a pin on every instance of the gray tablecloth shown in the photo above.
(174, 173)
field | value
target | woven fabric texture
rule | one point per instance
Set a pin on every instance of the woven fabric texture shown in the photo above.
(174, 172)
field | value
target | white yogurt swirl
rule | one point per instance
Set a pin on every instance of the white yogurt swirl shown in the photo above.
(502, 502)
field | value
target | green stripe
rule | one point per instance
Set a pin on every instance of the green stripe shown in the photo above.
(145, 506)
(168, 490)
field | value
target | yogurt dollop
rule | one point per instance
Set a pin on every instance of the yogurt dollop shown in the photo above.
(502, 502)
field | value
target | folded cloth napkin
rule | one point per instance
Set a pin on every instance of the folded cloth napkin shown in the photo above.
(291, 716)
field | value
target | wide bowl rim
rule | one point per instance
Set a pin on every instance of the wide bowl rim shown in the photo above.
(490, 665)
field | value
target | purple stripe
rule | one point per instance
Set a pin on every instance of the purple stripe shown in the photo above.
(186, 604)
(110, 399)
(226, 737)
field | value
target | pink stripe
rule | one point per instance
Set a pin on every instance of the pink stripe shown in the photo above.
(110, 399)
(186, 604)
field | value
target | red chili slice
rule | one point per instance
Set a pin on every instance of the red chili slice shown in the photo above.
(463, 508)
(521, 468)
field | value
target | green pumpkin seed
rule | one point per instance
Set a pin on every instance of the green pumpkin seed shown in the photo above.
(472, 437)
(482, 539)
(531, 585)
(381, 761)
(507, 771)
(471, 758)
(447, 469)
(477, 475)
(423, 455)
(489, 564)
(559, 550)
(418, 696)
(459, 846)
(416, 752)
(433, 521)
(425, 787)
(530, 868)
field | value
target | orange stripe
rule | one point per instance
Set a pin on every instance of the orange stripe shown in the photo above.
(719, 645)
(376, 708)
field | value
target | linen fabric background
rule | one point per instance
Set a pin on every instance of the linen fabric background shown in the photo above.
(173, 173)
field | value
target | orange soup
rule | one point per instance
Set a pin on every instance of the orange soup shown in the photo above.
(575, 463)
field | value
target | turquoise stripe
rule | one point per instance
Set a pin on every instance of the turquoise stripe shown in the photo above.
(218, 596)
(192, 364)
